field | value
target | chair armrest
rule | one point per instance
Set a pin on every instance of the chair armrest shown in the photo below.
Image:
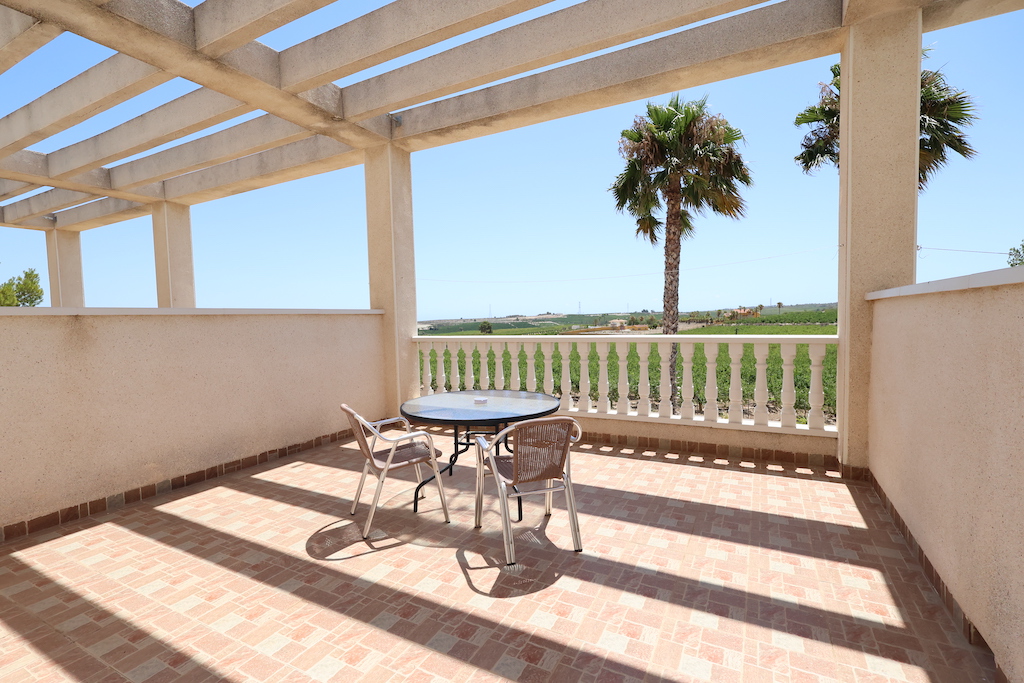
(377, 425)
(405, 437)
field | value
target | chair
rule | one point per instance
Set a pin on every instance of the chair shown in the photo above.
(411, 448)
(540, 453)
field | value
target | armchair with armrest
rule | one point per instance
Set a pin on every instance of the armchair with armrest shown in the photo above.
(411, 448)
(540, 453)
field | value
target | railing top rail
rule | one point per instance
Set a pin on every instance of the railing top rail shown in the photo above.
(644, 338)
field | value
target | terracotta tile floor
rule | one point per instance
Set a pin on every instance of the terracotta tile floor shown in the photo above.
(692, 570)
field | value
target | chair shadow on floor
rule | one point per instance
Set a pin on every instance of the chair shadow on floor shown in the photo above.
(479, 552)
(487, 574)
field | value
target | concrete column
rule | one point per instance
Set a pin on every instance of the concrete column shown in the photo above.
(172, 248)
(64, 260)
(392, 266)
(879, 131)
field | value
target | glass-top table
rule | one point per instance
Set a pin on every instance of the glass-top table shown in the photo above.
(474, 409)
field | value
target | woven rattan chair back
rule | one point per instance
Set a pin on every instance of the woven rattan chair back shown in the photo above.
(360, 432)
(540, 448)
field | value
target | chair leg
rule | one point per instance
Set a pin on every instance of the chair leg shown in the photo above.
(479, 507)
(506, 524)
(359, 489)
(419, 478)
(440, 489)
(547, 498)
(373, 508)
(574, 522)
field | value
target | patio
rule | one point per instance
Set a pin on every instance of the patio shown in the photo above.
(694, 568)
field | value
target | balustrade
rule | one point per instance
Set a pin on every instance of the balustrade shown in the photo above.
(780, 381)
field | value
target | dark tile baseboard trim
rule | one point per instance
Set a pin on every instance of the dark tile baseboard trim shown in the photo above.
(827, 461)
(952, 606)
(9, 532)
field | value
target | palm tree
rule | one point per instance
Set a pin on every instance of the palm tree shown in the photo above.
(944, 112)
(684, 159)
(780, 306)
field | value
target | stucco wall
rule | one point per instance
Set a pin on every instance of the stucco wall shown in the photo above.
(947, 444)
(95, 404)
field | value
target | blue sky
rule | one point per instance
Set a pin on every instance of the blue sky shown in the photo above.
(522, 222)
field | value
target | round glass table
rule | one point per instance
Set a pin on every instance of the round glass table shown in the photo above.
(472, 410)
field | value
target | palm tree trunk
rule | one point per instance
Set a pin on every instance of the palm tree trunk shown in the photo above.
(670, 310)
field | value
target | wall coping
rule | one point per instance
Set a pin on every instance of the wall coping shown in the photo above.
(66, 311)
(990, 278)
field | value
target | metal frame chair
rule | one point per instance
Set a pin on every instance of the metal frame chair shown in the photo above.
(411, 448)
(540, 452)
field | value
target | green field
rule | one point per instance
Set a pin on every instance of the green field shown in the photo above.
(587, 346)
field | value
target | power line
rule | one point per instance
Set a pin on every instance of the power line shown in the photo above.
(620, 277)
(966, 251)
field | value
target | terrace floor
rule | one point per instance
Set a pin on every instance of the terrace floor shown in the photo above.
(693, 569)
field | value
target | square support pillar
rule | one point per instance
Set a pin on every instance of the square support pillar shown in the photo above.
(880, 100)
(64, 261)
(391, 254)
(172, 249)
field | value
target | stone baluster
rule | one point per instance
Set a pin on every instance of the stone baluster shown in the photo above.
(643, 407)
(446, 372)
(583, 348)
(622, 406)
(531, 367)
(711, 383)
(499, 366)
(466, 378)
(485, 372)
(816, 417)
(513, 352)
(685, 386)
(788, 388)
(564, 383)
(548, 349)
(735, 383)
(664, 386)
(761, 384)
(603, 399)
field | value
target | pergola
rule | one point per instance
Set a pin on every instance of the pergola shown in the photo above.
(310, 125)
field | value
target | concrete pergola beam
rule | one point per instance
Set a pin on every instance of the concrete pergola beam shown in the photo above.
(44, 203)
(394, 30)
(777, 35)
(168, 49)
(31, 168)
(97, 214)
(21, 35)
(109, 83)
(244, 139)
(13, 188)
(366, 41)
(223, 25)
(183, 116)
(566, 34)
(946, 13)
(281, 164)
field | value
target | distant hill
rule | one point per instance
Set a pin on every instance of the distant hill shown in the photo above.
(554, 323)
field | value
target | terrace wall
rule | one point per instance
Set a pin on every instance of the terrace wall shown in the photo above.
(947, 439)
(100, 402)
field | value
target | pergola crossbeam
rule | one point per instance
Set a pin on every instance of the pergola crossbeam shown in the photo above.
(105, 85)
(183, 116)
(21, 35)
(44, 203)
(246, 138)
(392, 31)
(572, 32)
(780, 34)
(163, 50)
